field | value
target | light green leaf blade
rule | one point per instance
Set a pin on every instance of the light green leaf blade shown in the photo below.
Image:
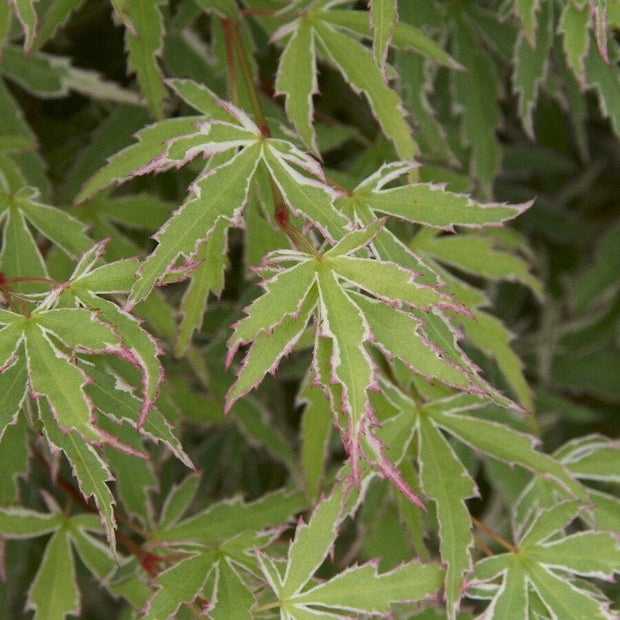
(54, 376)
(63, 229)
(479, 255)
(268, 349)
(531, 64)
(208, 277)
(356, 64)
(303, 194)
(312, 543)
(221, 193)
(78, 327)
(361, 590)
(201, 98)
(401, 335)
(431, 205)
(55, 16)
(513, 594)
(549, 522)
(505, 444)
(389, 282)
(54, 593)
(144, 41)
(284, 295)
(316, 428)
(178, 501)
(88, 468)
(128, 162)
(590, 554)
(234, 600)
(446, 481)
(139, 345)
(123, 406)
(562, 598)
(229, 518)
(20, 255)
(296, 80)
(26, 523)
(383, 20)
(574, 26)
(526, 11)
(351, 366)
(179, 584)
(491, 336)
(355, 240)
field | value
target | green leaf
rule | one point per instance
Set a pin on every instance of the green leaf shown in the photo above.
(477, 91)
(178, 501)
(428, 204)
(234, 599)
(296, 80)
(574, 26)
(25, 523)
(144, 40)
(208, 277)
(383, 19)
(54, 593)
(531, 64)
(446, 481)
(505, 444)
(308, 196)
(311, 544)
(227, 519)
(605, 79)
(179, 584)
(88, 468)
(13, 457)
(356, 64)
(219, 194)
(128, 162)
(362, 590)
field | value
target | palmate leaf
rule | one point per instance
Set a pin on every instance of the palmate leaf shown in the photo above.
(542, 564)
(346, 323)
(359, 589)
(218, 541)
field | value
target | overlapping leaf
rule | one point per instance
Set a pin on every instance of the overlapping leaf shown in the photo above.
(359, 589)
(542, 563)
(389, 315)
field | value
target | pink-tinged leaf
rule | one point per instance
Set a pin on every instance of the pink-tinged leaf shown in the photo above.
(27, 17)
(284, 295)
(575, 28)
(351, 366)
(305, 195)
(221, 193)
(88, 468)
(398, 334)
(297, 80)
(269, 348)
(54, 376)
(139, 348)
(392, 283)
(150, 146)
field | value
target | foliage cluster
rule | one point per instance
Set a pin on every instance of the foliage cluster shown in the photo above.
(309, 309)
